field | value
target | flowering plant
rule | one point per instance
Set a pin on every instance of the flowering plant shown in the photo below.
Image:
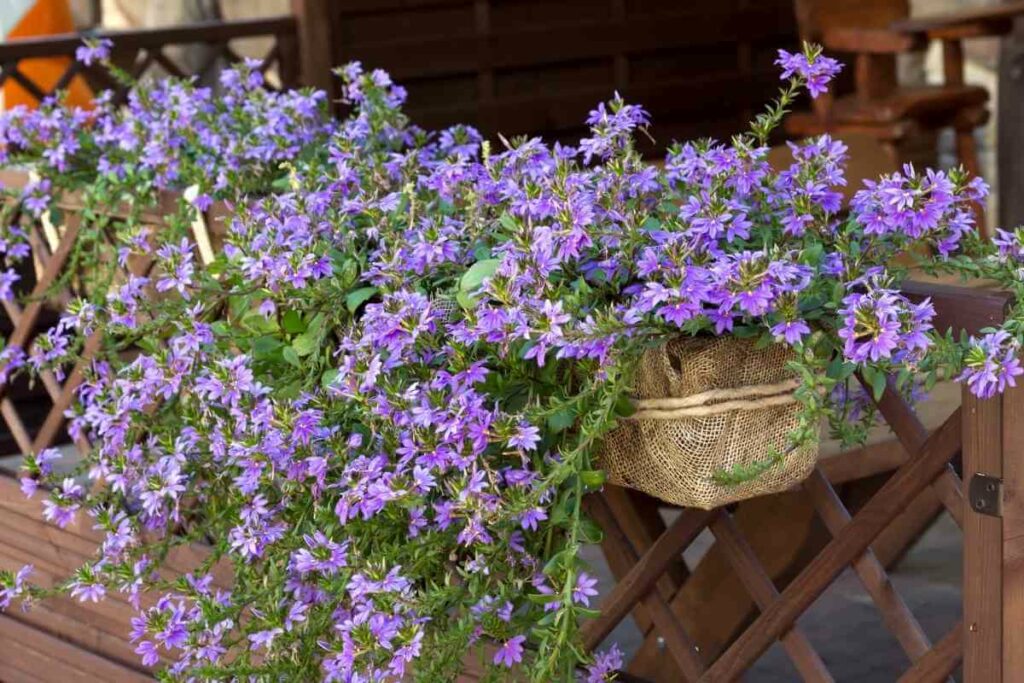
(378, 405)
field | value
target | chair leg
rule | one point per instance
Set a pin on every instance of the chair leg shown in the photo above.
(967, 152)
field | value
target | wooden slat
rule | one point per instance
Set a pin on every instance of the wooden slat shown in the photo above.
(863, 462)
(855, 538)
(895, 614)
(746, 565)
(59, 661)
(982, 452)
(940, 661)
(949, 490)
(1012, 533)
(655, 602)
(81, 632)
(915, 518)
(712, 605)
(543, 43)
(645, 574)
(638, 516)
(182, 34)
(959, 307)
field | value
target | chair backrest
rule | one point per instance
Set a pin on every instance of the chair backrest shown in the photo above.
(815, 16)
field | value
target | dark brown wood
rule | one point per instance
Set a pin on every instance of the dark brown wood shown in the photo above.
(139, 49)
(538, 67)
(868, 40)
(855, 538)
(746, 565)
(895, 613)
(148, 38)
(655, 602)
(645, 574)
(1012, 555)
(873, 32)
(940, 661)
(861, 463)
(1010, 139)
(313, 28)
(640, 518)
(50, 659)
(713, 605)
(982, 452)
(621, 556)
(953, 62)
(993, 16)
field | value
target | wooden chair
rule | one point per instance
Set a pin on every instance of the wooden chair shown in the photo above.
(874, 32)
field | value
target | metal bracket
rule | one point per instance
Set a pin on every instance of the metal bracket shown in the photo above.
(986, 495)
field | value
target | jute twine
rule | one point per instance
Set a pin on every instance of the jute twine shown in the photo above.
(704, 405)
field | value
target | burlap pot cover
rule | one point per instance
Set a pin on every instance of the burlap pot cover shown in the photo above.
(737, 405)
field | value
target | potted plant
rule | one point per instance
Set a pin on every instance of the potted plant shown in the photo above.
(383, 402)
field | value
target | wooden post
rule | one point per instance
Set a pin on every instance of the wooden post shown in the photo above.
(316, 44)
(1013, 535)
(982, 592)
(1010, 159)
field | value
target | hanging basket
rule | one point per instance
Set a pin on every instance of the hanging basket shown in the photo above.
(705, 405)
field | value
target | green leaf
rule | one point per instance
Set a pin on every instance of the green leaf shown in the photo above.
(465, 300)
(508, 222)
(590, 531)
(624, 406)
(306, 344)
(292, 323)
(327, 379)
(291, 357)
(477, 273)
(878, 383)
(562, 420)
(265, 346)
(357, 297)
(592, 479)
(542, 599)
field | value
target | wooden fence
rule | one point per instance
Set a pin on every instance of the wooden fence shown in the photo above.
(781, 579)
(537, 67)
(141, 51)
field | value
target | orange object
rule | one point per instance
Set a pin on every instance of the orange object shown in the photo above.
(44, 18)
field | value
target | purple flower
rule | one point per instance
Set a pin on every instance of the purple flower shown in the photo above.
(813, 68)
(93, 51)
(511, 652)
(585, 588)
(605, 665)
(526, 437)
(882, 324)
(264, 639)
(790, 331)
(11, 587)
(991, 364)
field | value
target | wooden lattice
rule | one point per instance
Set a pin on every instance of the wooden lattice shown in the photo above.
(140, 51)
(646, 556)
(50, 293)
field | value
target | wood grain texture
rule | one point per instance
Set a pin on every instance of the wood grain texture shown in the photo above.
(855, 538)
(896, 616)
(982, 453)
(1013, 535)
(645, 574)
(940, 661)
(806, 660)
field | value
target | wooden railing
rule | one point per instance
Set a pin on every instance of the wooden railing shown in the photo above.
(142, 50)
(718, 640)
